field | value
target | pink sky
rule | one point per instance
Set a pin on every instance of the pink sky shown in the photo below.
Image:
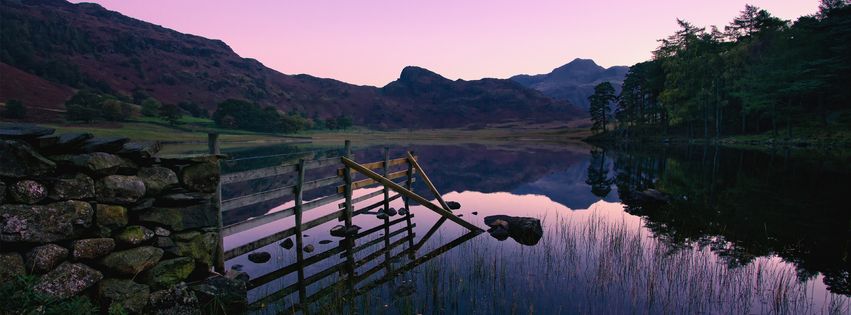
(369, 42)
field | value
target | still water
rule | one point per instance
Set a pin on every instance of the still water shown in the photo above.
(742, 232)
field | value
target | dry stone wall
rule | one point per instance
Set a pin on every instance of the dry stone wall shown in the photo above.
(107, 218)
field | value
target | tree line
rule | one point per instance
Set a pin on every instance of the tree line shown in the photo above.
(760, 74)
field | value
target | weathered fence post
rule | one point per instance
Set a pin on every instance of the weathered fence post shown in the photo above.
(299, 199)
(213, 145)
(347, 177)
(408, 184)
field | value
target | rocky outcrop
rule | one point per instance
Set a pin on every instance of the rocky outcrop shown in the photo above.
(526, 231)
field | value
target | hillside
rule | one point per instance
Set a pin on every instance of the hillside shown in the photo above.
(574, 82)
(74, 46)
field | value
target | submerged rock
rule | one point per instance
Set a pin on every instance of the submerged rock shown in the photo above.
(67, 280)
(524, 230)
(391, 212)
(323, 242)
(287, 243)
(382, 216)
(259, 257)
(309, 248)
(453, 205)
(403, 211)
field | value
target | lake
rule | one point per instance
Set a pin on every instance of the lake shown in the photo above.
(740, 231)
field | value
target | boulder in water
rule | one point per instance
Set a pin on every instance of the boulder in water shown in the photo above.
(524, 230)
(453, 205)
(259, 257)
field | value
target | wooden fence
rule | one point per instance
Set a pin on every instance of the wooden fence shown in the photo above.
(343, 184)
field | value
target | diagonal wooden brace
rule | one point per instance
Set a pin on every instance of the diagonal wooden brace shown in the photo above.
(410, 194)
(427, 181)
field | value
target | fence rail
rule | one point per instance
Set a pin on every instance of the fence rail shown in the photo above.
(343, 187)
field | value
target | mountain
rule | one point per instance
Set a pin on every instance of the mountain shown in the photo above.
(575, 81)
(60, 47)
(461, 102)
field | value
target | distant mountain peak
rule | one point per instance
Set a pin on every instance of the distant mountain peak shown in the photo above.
(416, 74)
(574, 81)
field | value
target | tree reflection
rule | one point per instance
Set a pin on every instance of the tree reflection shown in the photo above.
(598, 174)
(742, 204)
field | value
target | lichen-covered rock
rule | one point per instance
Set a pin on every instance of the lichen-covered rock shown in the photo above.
(98, 163)
(133, 261)
(23, 131)
(229, 294)
(44, 223)
(179, 219)
(11, 265)
(78, 187)
(67, 280)
(176, 300)
(167, 245)
(140, 149)
(159, 231)
(68, 141)
(91, 248)
(28, 192)
(201, 248)
(111, 216)
(186, 236)
(144, 204)
(18, 159)
(157, 179)
(131, 296)
(104, 144)
(120, 189)
(169, 272)
(134, 235)
(44, 258)
(203, 177)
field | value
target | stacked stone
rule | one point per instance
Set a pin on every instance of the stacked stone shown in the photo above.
(105, 217)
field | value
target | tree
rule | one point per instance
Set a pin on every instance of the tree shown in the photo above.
(604, 94)
(84, 106)
(171, 113)
(151, 107)
(14, 109)
(825, 6)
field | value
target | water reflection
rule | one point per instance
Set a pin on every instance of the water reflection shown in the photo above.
(744, 232)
